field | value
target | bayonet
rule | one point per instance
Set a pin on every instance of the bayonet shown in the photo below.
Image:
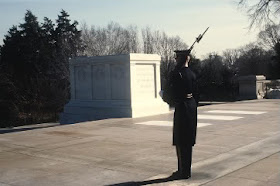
(187, 52)
(197, 40)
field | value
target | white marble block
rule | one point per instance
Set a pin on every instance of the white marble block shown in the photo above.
(114, 86)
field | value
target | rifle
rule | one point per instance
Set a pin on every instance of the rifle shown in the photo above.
(196, 41)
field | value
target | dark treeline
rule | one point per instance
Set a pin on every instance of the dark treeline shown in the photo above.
(34, 75)
(34, 70)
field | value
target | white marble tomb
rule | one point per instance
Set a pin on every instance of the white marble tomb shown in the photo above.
(113, 87)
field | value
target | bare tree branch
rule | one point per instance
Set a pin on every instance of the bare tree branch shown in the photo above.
(110, 40)
(270, 36)
(261, 13)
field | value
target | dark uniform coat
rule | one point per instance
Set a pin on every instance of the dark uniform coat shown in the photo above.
(185, 116)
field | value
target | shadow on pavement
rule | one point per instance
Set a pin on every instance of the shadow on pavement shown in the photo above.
(195, 176)
(26, 128)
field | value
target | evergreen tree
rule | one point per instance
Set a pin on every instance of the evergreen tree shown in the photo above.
(20, 55)
(68, 40)
(48, 48)
(8, 108)
(34, 67)
(68, 44)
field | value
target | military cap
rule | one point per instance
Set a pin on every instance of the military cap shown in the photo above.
(182, 52)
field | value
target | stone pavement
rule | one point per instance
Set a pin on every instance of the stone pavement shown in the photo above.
(237, 144)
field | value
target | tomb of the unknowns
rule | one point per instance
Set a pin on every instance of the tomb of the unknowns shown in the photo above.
(114, 87)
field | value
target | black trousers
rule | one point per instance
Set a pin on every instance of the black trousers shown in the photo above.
(184, 155)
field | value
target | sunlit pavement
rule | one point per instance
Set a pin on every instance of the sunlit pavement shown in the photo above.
(237, 144)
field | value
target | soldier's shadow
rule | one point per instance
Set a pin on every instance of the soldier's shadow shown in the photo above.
(195, 176)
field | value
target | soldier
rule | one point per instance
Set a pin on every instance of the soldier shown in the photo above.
(183, 82)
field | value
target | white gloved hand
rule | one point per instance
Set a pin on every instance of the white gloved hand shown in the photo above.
(161, 93)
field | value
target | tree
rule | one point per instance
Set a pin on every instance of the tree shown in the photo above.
(253, 60)
(216, 77)
(270, 36)
(160, 43)
(110, 40)
(212, 68)
(265, 14)
(8, 102)
(20, 54)
(275, 64)
(34, 60)
(20, 65)
(270, 39)
(230, 57)
(67, 41)
(277, 57)
(262, 12)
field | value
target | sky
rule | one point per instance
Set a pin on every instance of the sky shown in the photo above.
(185, 18)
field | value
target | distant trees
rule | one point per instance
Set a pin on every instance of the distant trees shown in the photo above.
(218, 74)
(34, 67)
(110, 40)
(270, 36)
(253, 60)
(115, 39)
(265, 15)
(158, 42)
(215, 78)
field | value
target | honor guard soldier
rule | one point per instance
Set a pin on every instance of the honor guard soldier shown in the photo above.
(185, 100)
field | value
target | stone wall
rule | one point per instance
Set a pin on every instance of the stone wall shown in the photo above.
(257, 87)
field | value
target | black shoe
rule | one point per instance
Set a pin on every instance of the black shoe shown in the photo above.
(177, 176)
(185, 176)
